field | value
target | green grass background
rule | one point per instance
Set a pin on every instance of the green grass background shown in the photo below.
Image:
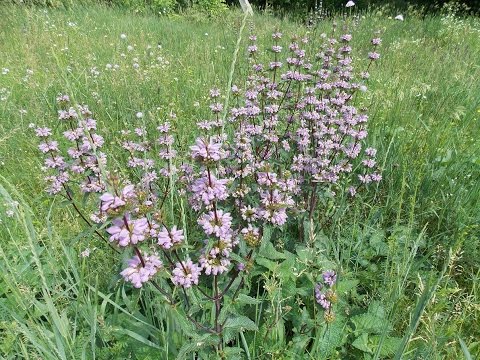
(424, 106)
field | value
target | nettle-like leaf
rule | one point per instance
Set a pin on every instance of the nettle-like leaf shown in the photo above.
(388, 346)
(361, 343)
(370, 344)
(378, 243)
(372, 322)
(197, 343)
(268, 251)
(233, 353)
(244, 299)
(240, 323)
(236, 324)
(333, 337)
(344, 286)
(269, 264)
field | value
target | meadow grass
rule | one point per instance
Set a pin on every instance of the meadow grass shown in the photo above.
(413, 244)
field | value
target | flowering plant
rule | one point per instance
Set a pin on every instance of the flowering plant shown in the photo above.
(292, 138)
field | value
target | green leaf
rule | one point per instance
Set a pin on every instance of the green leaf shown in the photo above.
(269, 264)
(240, 323)
(268, 251)
(333, 337)
(244, 299)
(361, 343)
(388, 346)
(372, 322)
(233, 353)
(196, 344)
(267, 234)
(378, 243)
(285, 270)
(138, 337)
(344, 286)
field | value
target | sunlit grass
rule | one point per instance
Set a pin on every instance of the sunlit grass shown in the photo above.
(424, 106)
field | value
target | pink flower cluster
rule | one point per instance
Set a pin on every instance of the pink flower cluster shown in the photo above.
(83, 160)
(293, 135)
(323, 293)
(138, 273)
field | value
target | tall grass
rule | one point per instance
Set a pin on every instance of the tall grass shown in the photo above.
(420, 224)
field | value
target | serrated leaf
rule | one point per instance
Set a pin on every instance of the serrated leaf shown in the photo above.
(233, 353)
(269, 264)
(285, 270)
(240, 323)
(373, 321)
(268, 251)
(344, 286)
(267, 234)
(333, 337)
(388, 346)
(361, 343)
(244, 299)
(196, 344)
(138, 337)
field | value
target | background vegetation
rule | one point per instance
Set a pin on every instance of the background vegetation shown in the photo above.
(409, 250)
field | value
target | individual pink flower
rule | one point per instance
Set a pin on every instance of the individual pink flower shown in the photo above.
(125, 231)
(186, 274)
(214, 264)
(217, 223)
(137, 274)
(112, 202)
(167, 239)
(204, 150)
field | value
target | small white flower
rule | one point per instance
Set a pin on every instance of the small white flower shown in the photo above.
(206, 34)
(139, 115)
(85, 253)
(130, 48)
(399, 17)
(9, 213)
(350, 4)
(5, 71)
(123, 36)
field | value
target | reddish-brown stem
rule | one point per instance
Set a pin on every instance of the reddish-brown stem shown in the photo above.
(69, 197)
(139, 254)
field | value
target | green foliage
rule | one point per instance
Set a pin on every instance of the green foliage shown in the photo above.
(211, 7)
(159, 7)
(389, 247)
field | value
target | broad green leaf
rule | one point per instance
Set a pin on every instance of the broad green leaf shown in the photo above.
(244, 299)
(268, 251)
(373, 321)
(196, 344)
(361, 343)
(344, 286)
(138, 337)
(332, 338)
(388, 346)
(240, 323)
(233, 353)
(269, 264)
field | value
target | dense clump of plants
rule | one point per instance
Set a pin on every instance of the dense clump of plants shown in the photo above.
(256, 181)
